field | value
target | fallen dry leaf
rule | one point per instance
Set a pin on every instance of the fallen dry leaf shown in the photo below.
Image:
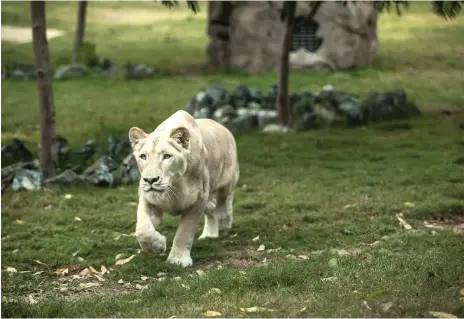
(98, 277)
(302, 309)
(11, 269)
(212, 313)
(77, 219)
(15, 251)
(256, 309)
(366, 305)
(333, 262)
(161, 274)
(272, 250)
(261, 248)
(304, 257)
(200, 272)
(256, 238)
(349, 206)
(38, 273)
(62, 271)
(39, 262)
(215, 291)
(124, 261)
(386, 306)
(144, 278)
(80, 259)
(93, 270)
(403, 223)
(89, 284)
(119, 256)
(19, 222)
(68, 196)
(409, 204)
(140, 287)
(290, 256)
(120, 281)
(68, 269)
(103, 270)
(439, 314)
(31, 300)
(86, 272)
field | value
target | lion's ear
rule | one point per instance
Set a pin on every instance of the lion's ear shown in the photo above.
(181, 135)
(135, 134)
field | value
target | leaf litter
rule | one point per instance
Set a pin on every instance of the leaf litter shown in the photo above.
(124, 261)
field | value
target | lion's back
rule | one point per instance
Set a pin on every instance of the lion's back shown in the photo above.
(221, 152)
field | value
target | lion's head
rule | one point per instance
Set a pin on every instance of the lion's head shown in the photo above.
(162, 158)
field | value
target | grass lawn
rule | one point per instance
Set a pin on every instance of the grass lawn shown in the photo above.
(325, 202)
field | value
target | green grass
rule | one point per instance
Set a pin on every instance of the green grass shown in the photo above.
(309, 193)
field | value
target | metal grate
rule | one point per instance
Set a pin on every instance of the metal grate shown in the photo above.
(304, 36)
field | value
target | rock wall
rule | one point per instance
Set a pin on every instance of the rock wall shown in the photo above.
(247, 36)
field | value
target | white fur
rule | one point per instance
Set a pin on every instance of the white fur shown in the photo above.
(197, 177)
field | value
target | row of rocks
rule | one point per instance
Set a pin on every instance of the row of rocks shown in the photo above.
(21, 170)
(245, 109)
(105, 67)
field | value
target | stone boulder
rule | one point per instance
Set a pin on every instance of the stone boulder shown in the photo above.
(248, 35)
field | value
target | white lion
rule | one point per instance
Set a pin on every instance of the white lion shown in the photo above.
(188, 167)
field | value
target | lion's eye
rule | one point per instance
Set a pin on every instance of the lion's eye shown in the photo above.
(143, 156)
(166, 156)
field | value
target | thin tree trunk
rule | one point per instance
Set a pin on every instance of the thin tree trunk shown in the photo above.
(48, 155)
(283, 101)
(80, 31)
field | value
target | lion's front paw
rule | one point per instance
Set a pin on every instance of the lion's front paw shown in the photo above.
(182, 259)
(152, 244)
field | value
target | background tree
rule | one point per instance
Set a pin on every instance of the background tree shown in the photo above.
(283, 100)
(445, 9)
(80, 30)
(48, 154)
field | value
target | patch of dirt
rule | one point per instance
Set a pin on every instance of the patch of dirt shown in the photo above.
(455, 223)
(24, 35)
(241, 263)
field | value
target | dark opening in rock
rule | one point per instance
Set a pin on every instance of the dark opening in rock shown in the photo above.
(304, 35)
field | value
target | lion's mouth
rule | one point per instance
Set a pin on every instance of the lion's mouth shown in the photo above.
(149, 189)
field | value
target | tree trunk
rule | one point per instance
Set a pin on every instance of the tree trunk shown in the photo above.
(48, 154)
(283, 101)
(80, 31)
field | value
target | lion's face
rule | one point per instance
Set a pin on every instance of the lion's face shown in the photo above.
(161, 159)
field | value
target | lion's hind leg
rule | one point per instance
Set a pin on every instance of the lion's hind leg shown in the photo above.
(224, 207)
(225, 212)
(211, 227)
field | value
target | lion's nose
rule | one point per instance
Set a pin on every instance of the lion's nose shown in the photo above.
(151, 180)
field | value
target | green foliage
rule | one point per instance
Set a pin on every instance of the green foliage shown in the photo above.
(88, 53)
(447, 9)
(192, 5)
(387, 5)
